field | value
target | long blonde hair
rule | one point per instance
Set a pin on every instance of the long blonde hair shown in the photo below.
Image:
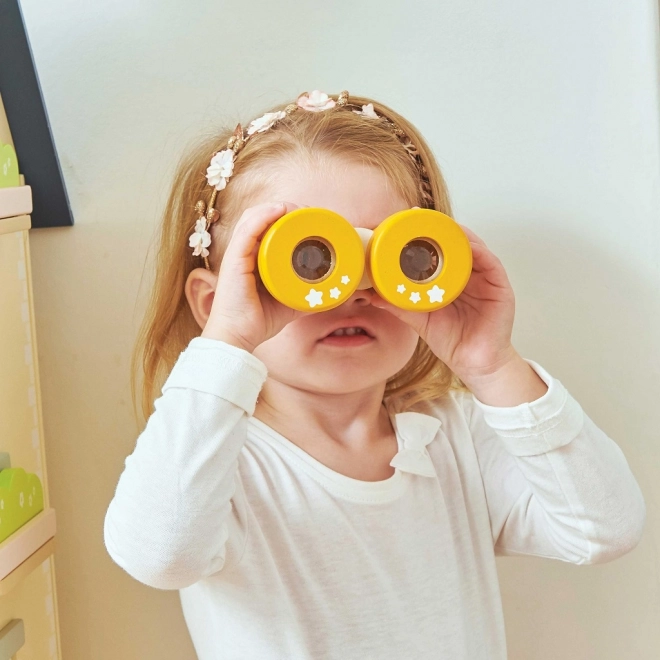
(168, 324)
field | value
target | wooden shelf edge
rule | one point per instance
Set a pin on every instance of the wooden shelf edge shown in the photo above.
(26, 541)
(11, 225)
(21, 572)
(16, 200)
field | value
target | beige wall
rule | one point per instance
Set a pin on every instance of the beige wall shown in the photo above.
(544, 117)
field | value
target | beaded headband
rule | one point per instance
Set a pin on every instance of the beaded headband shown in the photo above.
(222, 162)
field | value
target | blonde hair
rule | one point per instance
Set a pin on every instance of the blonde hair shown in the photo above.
(168, 325)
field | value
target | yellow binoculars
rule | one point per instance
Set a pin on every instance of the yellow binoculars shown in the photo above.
(314, 259)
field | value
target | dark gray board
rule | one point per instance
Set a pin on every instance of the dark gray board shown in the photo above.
(28, 122)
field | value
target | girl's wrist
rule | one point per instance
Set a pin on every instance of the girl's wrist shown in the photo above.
(511, 384)
(228, 338)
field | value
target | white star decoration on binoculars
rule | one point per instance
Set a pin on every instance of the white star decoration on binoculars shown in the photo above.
(418, 259)
(435, 294)
(314, 297)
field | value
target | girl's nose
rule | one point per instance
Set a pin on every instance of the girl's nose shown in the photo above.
(361, 297)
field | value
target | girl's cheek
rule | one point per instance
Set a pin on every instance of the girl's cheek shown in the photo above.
(405, 332)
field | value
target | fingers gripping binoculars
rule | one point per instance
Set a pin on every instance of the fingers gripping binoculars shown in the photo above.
(313, 259)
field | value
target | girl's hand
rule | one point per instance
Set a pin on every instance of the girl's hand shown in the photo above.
(243, 313)
(472, 335)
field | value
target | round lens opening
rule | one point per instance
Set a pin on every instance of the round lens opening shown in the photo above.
(313, 260)
(421, 259)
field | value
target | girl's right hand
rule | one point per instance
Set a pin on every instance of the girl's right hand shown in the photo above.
(243, 312)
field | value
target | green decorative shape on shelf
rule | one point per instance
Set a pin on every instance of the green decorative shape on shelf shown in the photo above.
(21, 499)
(8, 167)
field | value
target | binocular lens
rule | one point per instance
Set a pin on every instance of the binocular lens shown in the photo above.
(312, 260)
(420, 260)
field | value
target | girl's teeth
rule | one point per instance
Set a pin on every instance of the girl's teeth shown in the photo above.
(348, 331)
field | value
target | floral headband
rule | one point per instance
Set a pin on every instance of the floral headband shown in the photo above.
(222, 162)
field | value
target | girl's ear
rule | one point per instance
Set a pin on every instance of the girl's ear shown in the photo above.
(200, 291)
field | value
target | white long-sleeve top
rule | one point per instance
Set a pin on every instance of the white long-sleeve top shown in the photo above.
(276, 556)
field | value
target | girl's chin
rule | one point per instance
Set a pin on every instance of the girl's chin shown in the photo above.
(341, 379)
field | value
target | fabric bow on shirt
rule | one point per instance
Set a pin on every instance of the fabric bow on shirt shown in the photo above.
(416, 430)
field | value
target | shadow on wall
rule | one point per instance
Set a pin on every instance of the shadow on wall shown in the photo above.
(592, 318)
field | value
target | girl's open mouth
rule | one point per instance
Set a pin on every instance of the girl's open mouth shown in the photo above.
(348, 336)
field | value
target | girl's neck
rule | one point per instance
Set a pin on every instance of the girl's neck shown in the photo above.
(355, 422)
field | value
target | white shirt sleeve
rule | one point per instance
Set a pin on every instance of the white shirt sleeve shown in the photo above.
(179, 510)
(556, 485)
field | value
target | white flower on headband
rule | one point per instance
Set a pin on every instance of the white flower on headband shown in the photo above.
(367, 111)
(201, 239)
(264, 123)
(315, 101)
(220, 169)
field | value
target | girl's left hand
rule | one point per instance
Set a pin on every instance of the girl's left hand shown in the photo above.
(472, 335)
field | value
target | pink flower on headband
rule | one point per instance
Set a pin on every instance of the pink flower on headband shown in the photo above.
(367, 111)
(220, 169)
(315, 101)
(265, 122)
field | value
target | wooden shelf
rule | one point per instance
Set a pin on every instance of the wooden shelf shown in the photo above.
(26, 541)
(33, 561)
(14, 201)
(11, 225)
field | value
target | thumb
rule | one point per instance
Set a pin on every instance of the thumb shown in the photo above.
(380, 303)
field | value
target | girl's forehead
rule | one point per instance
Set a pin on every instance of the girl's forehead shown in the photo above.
(362, 194)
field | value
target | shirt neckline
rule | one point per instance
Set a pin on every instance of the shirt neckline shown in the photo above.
(363, 491)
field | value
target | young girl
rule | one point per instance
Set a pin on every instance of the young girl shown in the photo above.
(337, 485)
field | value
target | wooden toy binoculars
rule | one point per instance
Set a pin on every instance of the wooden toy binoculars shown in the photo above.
(314, 259)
